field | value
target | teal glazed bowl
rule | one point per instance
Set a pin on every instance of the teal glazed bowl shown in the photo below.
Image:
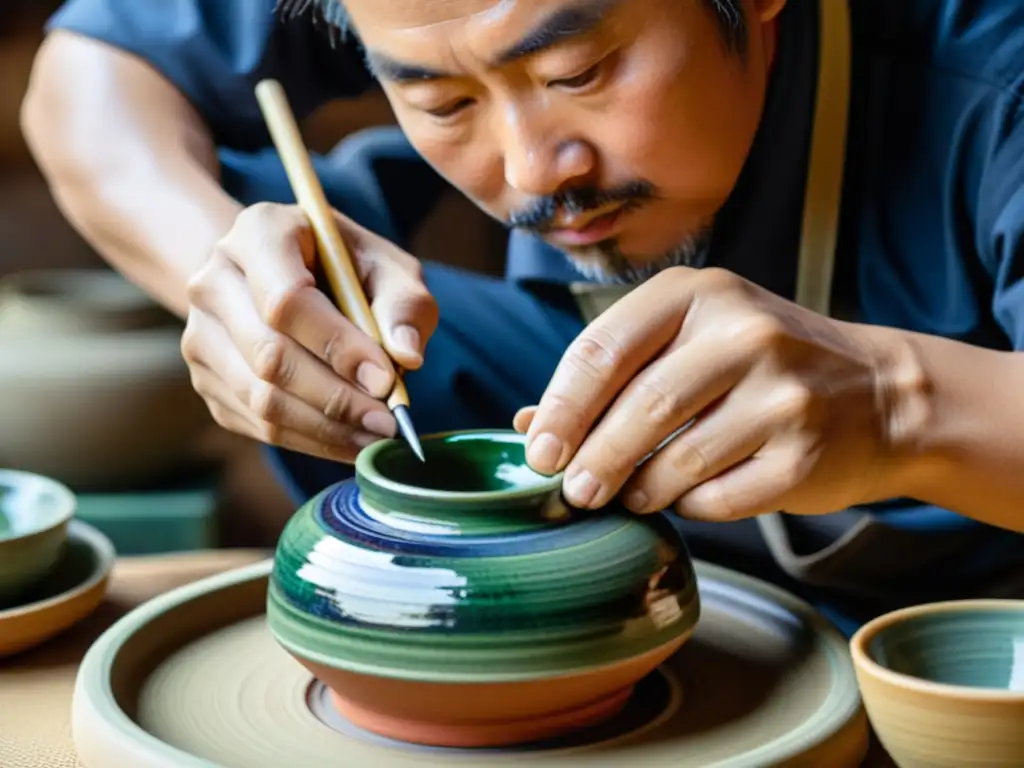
(943, 683)
(459, 602)
(34, 516)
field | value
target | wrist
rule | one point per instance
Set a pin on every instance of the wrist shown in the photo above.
(908, 407)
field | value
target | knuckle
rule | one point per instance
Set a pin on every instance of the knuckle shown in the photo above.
(658, 400)
(270, 359)
(338, 404)
(595, 353)
(267, 402)
(329, 433)
(759, 333)
(271, 433)
(190, 342)
(282, 305)
(717, 279)
(794, 402)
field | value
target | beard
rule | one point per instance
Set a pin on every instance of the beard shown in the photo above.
(606, 264)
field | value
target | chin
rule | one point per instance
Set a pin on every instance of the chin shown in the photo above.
(605, 263)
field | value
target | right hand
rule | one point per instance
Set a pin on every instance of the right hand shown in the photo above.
(274, 358)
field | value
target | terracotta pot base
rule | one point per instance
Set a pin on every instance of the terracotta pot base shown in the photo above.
(492, 734)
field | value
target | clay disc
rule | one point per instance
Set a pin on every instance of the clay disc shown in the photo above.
(194, 678)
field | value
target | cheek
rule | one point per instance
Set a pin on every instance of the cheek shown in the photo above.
(470, 165)
(686, 128)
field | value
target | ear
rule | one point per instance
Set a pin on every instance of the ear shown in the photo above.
(765, 11)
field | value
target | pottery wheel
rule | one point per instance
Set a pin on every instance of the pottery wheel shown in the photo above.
(764, 681)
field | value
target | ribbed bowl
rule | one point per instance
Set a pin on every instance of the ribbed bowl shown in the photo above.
(459, 602)
(943, 683)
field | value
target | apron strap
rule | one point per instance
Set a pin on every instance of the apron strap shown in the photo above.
(822, 198)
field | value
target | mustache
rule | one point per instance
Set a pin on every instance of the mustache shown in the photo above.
(540, 215)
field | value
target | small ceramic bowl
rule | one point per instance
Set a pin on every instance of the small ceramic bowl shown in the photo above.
(458, 602)
(34, 516)
(943, 683)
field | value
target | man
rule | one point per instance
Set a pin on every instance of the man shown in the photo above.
(663, 144)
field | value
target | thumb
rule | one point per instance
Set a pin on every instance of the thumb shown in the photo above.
(405, 310)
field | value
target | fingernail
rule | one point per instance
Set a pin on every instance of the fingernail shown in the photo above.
(544, 452)
(407, 338)
(581, 488)
(380, 423)
(636, 501)
(373, 379)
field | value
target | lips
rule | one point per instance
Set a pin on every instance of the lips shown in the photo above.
(585, 230)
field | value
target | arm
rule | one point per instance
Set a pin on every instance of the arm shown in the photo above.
(129, 160)
(128, 103)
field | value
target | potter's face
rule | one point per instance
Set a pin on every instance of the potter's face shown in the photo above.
(615, 129)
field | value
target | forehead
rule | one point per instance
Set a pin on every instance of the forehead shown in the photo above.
(383, 22)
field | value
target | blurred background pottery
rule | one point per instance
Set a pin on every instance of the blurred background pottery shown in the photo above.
(93, 388)
(943, 683)
(71, 590)
(34, 516)
(458, 602)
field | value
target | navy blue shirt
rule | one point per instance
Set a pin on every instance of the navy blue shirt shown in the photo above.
(932, 227)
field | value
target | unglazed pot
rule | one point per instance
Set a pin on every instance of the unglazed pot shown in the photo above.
(459, 603)
(93, 388)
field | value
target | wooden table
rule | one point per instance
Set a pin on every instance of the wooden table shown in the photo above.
(36, 687)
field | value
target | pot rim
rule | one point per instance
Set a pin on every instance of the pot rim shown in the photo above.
(367, 471)
(866, 664)
(66, 503)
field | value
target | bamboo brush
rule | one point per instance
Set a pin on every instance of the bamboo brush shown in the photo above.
(334, 256)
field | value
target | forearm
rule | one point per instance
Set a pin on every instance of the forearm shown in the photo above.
(129, 162)
(957, 417)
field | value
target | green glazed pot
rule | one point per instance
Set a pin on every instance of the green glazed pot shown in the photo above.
(460, 602)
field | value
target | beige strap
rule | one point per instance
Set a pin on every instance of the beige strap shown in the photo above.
(816, 263)
(823, 192)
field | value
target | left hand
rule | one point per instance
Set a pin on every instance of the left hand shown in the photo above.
(791, 408)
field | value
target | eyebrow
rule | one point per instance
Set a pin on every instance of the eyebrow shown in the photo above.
(572, 21)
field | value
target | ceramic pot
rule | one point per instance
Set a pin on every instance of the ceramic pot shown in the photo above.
(458, 602)
(34, 516)
(93, 388)
(942, 683)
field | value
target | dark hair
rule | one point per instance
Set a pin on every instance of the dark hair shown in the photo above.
(728, 14)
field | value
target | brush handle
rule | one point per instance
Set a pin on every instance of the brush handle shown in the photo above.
(334, 255)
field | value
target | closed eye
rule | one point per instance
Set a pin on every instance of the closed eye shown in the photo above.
(583, 79)
(449, 110)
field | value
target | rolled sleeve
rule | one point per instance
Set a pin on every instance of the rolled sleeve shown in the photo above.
(215, 51)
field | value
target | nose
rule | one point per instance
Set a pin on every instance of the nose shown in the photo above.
(541, 160)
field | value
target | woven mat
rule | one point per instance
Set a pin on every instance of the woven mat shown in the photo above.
(36, 687)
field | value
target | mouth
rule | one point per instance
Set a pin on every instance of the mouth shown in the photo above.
(586, 228)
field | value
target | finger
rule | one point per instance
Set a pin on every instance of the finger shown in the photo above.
(722, 437)
(523, 418)
(654, 405)
(273, 247)
(236, 417)
(404, 308)
(598, 364)
(288, 422)
(281, 363)
(753, 487)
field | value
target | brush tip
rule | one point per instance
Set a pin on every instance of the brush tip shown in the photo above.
(408, 431)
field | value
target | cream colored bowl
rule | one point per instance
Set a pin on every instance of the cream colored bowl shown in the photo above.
(943, 683)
